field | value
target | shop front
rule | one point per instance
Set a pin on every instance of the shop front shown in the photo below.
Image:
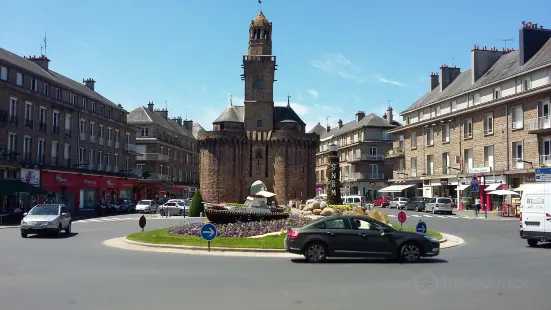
(109, 187)
(76, 191)
(126, 188)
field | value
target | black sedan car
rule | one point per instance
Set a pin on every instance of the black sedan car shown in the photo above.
(358, 236)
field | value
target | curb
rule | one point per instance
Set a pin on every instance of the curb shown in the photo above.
(203, 248)
(8, 227)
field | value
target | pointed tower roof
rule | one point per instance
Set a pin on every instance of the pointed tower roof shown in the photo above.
(260, 20)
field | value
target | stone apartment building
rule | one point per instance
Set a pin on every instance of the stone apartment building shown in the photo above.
(169, 160)
(491, 122)
(62, 135)
(362, 145)
(258, 142)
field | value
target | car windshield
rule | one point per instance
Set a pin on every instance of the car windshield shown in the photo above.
(45, 210)
(181, 204)
(144, 202)
(445, 200)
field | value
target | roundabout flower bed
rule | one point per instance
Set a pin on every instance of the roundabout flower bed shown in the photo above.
(244, 229)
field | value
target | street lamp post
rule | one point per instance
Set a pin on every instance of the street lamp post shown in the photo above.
(333, 176)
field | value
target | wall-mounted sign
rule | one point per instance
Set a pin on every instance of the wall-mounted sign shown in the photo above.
(480, 170)
(30, 176)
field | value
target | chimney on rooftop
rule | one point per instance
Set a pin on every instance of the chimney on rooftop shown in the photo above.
(188, 124)
(89, 83)
(340, 123)
(448, 75)
(178, 120)
(531, 40)
(434, 81)
(162, 112)
(388, 115)
(328, 128)
(42, 61)
(482, 60)
(150, 106)
(360, 115)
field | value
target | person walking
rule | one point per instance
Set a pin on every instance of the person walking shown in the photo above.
(477, 206)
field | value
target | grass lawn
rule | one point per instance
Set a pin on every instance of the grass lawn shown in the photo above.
(161, 236)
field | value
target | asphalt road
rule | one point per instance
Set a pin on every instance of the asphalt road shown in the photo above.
(494, 269)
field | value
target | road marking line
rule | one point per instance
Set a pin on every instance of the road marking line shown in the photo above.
(426, 215)
(453, 217)
(441, 216)
(81, 221)
(93, 220)
(391, 215)
(128, 218)
(415, 215)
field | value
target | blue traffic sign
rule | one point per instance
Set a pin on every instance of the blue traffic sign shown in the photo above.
(543, 170)
(208, 232)
(421, 227)
(474, 187)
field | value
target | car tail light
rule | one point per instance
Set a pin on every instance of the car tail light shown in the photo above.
(520, 218)
(436, 206)
(292, 234)
(547, 215)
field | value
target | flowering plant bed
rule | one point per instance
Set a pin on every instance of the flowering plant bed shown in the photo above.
(244, 229)
(224, 216)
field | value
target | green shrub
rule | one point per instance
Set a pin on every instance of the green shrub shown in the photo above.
(196, 206)
(226, 217)
(234, 204)
(341, 207)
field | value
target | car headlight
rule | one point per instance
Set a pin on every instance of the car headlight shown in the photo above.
(23, 222)
(431, 238)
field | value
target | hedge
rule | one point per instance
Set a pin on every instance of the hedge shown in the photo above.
(225, 217)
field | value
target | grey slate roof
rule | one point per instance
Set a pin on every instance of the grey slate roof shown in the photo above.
(236, 114)
(508, 65)
(52, 76)
(319, 129)
(370, 120)
(142, 115)
(196, 130)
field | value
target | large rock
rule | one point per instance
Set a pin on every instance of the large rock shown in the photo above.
(307, 213)
(327, 211)
(308, 207)
(316, 205)
(317, 211)
(323, 205)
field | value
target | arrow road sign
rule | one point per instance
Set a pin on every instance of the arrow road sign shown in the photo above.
(474, 188)
(208, 232)
(421, 227)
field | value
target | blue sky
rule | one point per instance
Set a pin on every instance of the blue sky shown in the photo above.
(334, 57)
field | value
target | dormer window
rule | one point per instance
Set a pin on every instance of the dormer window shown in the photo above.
(84, 103)
(497, 93)
(101, 109)
(109, 112)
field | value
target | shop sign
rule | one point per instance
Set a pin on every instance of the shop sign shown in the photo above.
(110, 183)
(480, 170)
(89, 182)
(127, 185)
(443, 182)
(30, 176)
(60, 179)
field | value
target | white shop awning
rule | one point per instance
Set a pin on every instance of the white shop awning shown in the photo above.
(394, 188)
(523, 187)
(462, 187)
(492, 187)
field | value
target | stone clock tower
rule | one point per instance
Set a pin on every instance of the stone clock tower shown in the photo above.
(259, 67)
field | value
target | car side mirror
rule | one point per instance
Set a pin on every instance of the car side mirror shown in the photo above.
(63, 214)
(25, 214)
(385, 231)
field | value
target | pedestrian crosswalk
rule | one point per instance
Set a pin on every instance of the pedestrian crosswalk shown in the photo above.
(119, 219)
(438, 216)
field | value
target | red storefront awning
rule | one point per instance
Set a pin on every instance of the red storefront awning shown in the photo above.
(57, 181)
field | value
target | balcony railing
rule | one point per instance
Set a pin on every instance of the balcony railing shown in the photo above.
(395, 152)
(129, 147)
(539, 123)
(13, 120)
(92, 139)
(100, 167)
(517, 124)
(467, 135)
(108, 167)
(116, 169)
(67, 162)
(351, 177)
(41, 158)
(109, 143)
(68, 132)
(488, 131)
(55, 130)
(83, 136)
(545, 160)
(152, 156)
(158, 176)
(366, 157)
(42, 126)
(27, 156)
(29, 123)
(100, 141)
(54, 161)
(117, 145)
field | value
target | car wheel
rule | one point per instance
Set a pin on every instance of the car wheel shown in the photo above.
(532, 242)
(162, 212)
(410, 253)
(315, 252)
(59, 230)
(182, 212)
(68, 229)
(433, 211)
(417, 209)
(23, 235)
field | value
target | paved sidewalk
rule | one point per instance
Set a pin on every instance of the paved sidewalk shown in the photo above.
(492, 215)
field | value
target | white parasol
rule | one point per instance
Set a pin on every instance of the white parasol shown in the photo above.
(503, 192)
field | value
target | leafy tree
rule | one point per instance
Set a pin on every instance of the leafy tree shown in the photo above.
(196, 206)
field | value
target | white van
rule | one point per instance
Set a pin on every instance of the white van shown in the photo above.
(535, 213)
(355, 199)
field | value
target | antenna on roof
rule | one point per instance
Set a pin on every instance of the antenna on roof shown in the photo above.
(327, 121)
(260, 4)
(389, 101)
(288, 100)
(505, 41)
(231, 101)
(45, 45)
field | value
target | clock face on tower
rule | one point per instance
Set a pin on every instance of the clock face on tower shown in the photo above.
(258, 83)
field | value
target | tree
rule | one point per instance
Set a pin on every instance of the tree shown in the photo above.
(196, 206)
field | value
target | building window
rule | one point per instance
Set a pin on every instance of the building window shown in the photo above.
(28, 114)
(430, 165)
(489, 124)
(384, 135)
(497, 93)
(67, 151)
(453, 106)
(259, 123)
(93, 106)
(68, 122)
(101, 131)
(101, 109)
(413, 167)
(4, 73)
(445, 162)
(19, 80)
(46, 89)
(92, 129)
(517, 117)
(84, 103)
(55, 121)
(468, 129)
(34, 84)
(82, 128)
(43, 113)
(100, 158)
(116, 136)
(27, 146)
(145, 132)
(14, 105)
(58, 93)
(41, 150)
(518, 155)
(128, 138)
(526, 83)
(489, 156)
(74, 99)
(430, 136)
(109, 130)
(12, 143)
(116, 162)
(258, 83)
(109, 112)
(54, 151)
(126, 162)
(468, 158)
(413, 140)
(91, 158)
(445, 132)
(437, 110)
(476, 98)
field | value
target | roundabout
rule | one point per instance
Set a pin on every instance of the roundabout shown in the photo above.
(86, 272)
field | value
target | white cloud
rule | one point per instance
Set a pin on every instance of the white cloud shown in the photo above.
(314, 93)
(388, 81)
(340, 65)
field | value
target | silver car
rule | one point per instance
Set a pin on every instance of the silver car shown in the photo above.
(398, 203)
(46, 218)
(174, 208)
(439, 205)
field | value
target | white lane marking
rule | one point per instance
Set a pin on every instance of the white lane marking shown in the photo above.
(452, 217)
(426, 215)
(81, 221)
(391, 215)
(129, 218)
(441, 216)
(416, 215)
(93, 220)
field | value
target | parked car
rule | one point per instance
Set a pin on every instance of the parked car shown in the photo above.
(439, 205)
(146, 206)
(398, 203)
(382, 202)
(46, 218)
(174, 208)
(125, 205)
(358, 236)
(416, 203)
